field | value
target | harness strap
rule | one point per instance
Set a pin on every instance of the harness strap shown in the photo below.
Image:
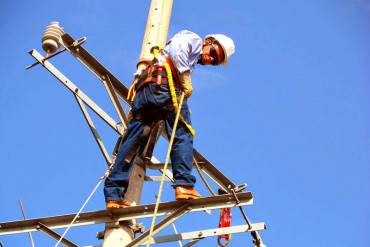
(169, 76)
(171, 85)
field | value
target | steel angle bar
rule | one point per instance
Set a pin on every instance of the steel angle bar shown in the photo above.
(129, 213)
(176, 232)
(199, 235)
(185, 208)
(207, 233)
(94, 131)
(257, 240)
(115, 101)
(217, 176)
(55, 235)
(155, 178)
(75, 90)
(24, 217)
(212, 172)
(157, 166)
(93, 64)
(193, 242)
(46, 58)
(168, 172)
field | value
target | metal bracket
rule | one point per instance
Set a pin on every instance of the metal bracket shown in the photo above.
(185, 208)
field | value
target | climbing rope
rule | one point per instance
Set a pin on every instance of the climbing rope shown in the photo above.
(164, 170)
(84, 205)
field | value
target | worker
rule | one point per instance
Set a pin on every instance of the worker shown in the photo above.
(151, 99)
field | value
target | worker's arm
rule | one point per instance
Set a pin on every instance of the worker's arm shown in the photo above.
(187, 86)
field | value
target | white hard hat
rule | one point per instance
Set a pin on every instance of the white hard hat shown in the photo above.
(226, 43)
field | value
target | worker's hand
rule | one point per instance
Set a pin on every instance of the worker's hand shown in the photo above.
(187, 86)
(138, 73)
(140, 69)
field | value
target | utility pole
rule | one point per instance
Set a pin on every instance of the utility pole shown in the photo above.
(156, 32)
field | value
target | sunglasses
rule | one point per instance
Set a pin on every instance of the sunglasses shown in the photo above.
(217, 57)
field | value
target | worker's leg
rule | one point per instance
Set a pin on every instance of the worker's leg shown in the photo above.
(148, 98)
(182, 149)
(116, 182)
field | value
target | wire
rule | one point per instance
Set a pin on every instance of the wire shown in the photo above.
(164, 170)
(79, 212)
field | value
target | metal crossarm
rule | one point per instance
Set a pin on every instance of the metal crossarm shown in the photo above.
(135, 212)
(55, 235)
(75, 90)
(196, 236)
(207, 233)
(93, 64)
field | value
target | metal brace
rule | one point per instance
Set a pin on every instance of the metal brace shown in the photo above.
(75, 44)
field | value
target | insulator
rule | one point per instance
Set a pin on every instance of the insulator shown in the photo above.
(51, 37)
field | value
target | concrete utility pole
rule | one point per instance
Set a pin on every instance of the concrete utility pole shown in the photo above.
(155, 35)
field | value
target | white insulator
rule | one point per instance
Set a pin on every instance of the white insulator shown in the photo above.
(51, 38)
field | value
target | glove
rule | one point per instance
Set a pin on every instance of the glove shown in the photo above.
(187, 86)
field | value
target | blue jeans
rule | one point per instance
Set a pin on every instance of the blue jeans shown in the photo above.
(153, 97)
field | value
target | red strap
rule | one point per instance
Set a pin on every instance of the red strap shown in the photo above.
(225, 220)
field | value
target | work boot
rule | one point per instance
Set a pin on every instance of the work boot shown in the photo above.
(111, 204)
(186, 193)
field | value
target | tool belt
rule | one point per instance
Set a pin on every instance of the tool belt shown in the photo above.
(154, 73)
(160, 71)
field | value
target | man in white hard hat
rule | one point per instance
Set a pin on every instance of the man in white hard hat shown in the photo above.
(151, 97)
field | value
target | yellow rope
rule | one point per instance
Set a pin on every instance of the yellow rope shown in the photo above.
(164, 170)
(174, 97)
(171, 86)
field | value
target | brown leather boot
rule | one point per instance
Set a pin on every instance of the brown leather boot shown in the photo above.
(186, 193)
(117, 204)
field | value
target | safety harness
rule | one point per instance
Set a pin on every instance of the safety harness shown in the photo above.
(160, 70)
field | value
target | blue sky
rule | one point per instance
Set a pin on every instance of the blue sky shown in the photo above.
(289, 115)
